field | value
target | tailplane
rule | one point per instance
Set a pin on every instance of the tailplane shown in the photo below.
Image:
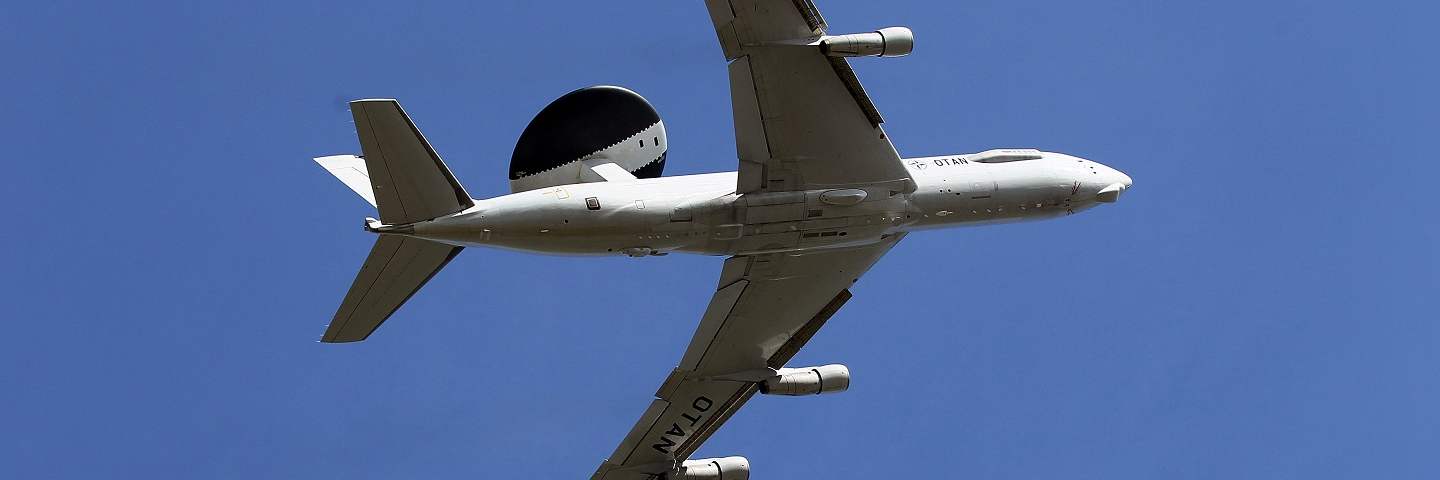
(403, 177)
(351, 171)
(396, 268)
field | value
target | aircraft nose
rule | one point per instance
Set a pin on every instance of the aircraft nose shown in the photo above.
(1118, 183)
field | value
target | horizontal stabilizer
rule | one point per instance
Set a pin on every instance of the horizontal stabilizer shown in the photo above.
(410, 182)
(396, 268)
(350, 169)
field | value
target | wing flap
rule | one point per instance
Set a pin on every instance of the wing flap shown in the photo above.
(720, 307)
(637, 434)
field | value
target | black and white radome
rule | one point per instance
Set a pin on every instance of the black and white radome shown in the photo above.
(586, 128)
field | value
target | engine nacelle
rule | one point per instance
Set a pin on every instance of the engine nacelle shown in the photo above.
(885, 42)
(728, 468)
(807, 381)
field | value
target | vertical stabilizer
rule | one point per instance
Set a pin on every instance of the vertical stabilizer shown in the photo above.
(410, 181)
(409, 184)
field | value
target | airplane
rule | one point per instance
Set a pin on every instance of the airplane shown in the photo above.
(820, 195)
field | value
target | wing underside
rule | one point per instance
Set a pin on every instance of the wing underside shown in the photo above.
(802, 120)
(765, 309)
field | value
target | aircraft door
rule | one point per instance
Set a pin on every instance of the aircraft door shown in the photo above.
(979, 183)
(980, 193)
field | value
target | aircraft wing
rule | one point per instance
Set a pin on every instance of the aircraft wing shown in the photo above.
(766, 307)
(802, 120)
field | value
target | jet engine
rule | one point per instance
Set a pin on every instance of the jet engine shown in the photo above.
(728, 468)
(807, 381)
(885, 42)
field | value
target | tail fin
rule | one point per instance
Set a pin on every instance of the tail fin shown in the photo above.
(407, 182)
(396, 268)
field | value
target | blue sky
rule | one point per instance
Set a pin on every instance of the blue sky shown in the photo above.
(1261, 305)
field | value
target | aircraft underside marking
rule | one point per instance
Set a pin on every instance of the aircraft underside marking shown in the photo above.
(699, 406)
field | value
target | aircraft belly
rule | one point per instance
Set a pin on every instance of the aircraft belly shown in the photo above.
(598, 219)
(952, 196)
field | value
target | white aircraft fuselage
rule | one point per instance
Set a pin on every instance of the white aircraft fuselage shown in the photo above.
(820, 196)
(702, 214)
